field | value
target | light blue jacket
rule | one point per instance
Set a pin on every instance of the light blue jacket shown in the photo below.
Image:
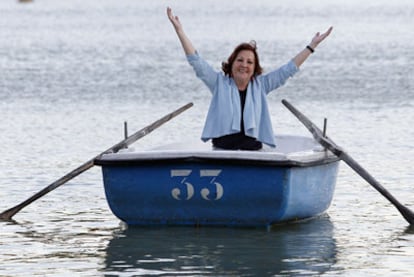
(224, 114)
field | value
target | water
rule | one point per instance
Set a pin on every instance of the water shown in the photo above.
(73, 71)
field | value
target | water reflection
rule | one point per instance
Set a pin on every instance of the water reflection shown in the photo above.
(306, 248)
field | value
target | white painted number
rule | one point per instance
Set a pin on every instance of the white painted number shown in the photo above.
(176, 191)
(205, 193)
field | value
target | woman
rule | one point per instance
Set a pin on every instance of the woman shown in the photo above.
(238, 117)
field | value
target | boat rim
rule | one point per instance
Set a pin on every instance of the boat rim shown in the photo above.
(199, 152)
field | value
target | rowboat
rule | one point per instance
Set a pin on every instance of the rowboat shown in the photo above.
(190, 183)
(245, 188)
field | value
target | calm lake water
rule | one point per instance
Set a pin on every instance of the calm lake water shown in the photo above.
(73, 71)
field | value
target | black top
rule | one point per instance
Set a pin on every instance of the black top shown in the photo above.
(238, 141)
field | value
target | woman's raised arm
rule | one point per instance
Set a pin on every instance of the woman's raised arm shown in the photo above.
(185, 41)
(309, 49)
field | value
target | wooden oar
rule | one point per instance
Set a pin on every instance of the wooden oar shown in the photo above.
(338, 151)
(8, 214)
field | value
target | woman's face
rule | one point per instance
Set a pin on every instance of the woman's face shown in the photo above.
(243, 66)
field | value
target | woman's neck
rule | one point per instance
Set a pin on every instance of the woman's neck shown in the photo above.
(241, 85)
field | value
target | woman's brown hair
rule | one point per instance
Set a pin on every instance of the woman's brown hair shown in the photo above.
(251, 46)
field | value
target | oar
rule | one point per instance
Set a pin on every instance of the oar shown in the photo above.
(8, 214)
(338, 151)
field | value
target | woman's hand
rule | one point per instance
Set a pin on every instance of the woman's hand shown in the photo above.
(304, 54)
(174, 19)
(185, 41)
(318, 38)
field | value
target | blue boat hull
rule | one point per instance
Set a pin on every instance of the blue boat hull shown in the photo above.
(223, 193)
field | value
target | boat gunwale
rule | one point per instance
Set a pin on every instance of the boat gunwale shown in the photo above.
(310, 154)
(119, 162)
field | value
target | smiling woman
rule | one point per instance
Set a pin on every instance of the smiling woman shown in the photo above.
(243, 64)
(238, 117)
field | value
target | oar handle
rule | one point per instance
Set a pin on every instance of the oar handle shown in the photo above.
(145, 131)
